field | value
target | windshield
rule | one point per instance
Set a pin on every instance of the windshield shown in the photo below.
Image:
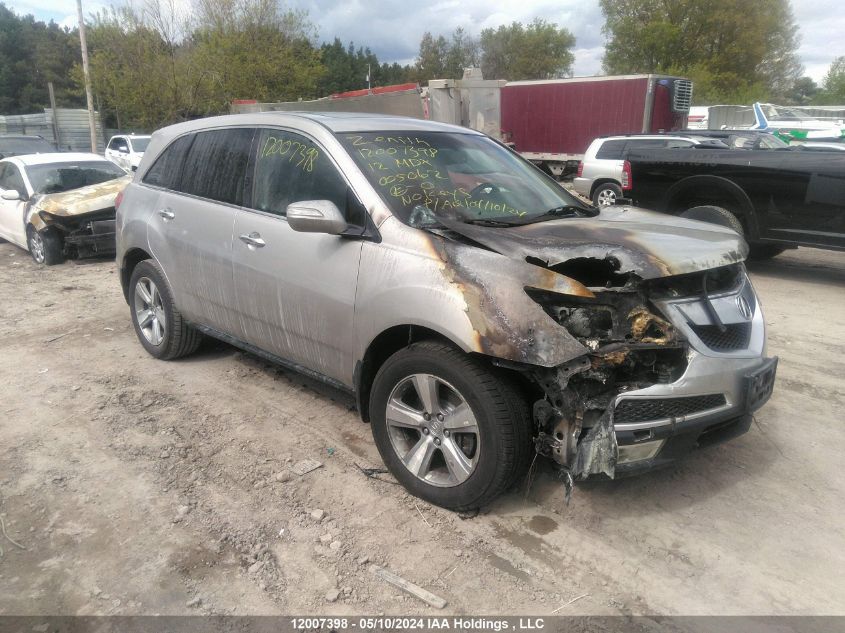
(140, 144)
(17, 146)
(427, 178)
(60, 177)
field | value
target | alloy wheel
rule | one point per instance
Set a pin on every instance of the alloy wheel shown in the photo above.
(433, 430)
(36, 246)
(606, 197)
(149, 311)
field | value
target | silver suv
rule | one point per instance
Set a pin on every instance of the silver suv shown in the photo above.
(603, 176)
(478, 311)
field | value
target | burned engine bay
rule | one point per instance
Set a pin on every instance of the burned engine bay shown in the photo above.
(624, 343)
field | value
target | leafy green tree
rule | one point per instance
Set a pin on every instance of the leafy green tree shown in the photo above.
(735, 51)
(540, 50)
(32, 54)
(463, 52)
(432, 58)
(833, 86)
(803, 91)
(254, 51)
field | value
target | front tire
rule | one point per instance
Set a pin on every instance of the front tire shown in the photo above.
(158, 323)
(45, 247)
(451, 431)
(606, 194)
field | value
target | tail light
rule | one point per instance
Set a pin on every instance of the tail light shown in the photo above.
(627, 180)
(580, 168)
(118, 199)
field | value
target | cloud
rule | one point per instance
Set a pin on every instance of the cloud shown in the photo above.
(393, 28)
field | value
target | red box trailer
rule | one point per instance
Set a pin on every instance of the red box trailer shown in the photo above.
(552, 122)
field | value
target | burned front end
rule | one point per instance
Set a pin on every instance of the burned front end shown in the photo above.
(84, 218)
(643, 339)
(674, 363)
(85, 235)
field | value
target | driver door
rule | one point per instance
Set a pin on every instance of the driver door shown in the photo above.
(296, 291)
(12, 211)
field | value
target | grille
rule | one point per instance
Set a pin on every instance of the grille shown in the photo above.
(683, 95)
(645, 410)
(736, 336)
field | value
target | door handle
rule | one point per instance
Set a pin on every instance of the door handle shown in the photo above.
(167, 214)
(253, 240)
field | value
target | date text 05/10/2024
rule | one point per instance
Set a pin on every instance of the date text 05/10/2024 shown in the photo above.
(405, 623)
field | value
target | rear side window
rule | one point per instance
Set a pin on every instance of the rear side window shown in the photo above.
(216, 165)
(292, 168)
(167, 170)
(611, 149)
(645, 142)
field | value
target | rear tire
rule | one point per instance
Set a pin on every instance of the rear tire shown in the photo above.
(45, 246)
(715, 215)
(158, 323)
(606, 194)
(463, 393)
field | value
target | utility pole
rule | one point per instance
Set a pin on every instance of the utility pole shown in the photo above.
(56, 137)
(89, 97)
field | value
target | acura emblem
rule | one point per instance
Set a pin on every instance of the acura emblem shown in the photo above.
(744, 307)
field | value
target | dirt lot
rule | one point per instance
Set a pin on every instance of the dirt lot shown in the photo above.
(142, 487)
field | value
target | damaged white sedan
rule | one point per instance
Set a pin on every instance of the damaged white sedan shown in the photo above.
(59, 205)
(478, 311)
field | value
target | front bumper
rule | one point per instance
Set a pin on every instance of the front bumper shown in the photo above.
(96, 237)
(659, 443)
(713, 400)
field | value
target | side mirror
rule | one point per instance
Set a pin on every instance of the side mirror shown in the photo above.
(11, 194)
(123, 149)
(316, 216)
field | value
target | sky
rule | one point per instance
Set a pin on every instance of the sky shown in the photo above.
(393, 28)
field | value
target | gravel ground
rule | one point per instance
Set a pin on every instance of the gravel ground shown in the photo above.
(133, 486)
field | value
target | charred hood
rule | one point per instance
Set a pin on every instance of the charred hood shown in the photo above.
(83, 200)
(625, 240)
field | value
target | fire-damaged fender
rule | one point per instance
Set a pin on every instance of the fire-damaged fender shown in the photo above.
(474, 297)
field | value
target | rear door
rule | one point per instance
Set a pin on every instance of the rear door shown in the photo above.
(296, 291)
(190, 233)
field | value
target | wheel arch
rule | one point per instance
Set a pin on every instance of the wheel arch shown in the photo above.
(131, 259)
(598, 182)
(398, 337)
(382, 347)
(711, 190)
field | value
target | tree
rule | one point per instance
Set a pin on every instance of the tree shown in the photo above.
(732, 49)
(539, 51)
(431, 61)
(32, 54)
(833, 86)
(252, 50)
(803, 92)
(463, 52)
(151, 65)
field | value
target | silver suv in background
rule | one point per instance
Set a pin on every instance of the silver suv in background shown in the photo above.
(478, 311)
(602, 174)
